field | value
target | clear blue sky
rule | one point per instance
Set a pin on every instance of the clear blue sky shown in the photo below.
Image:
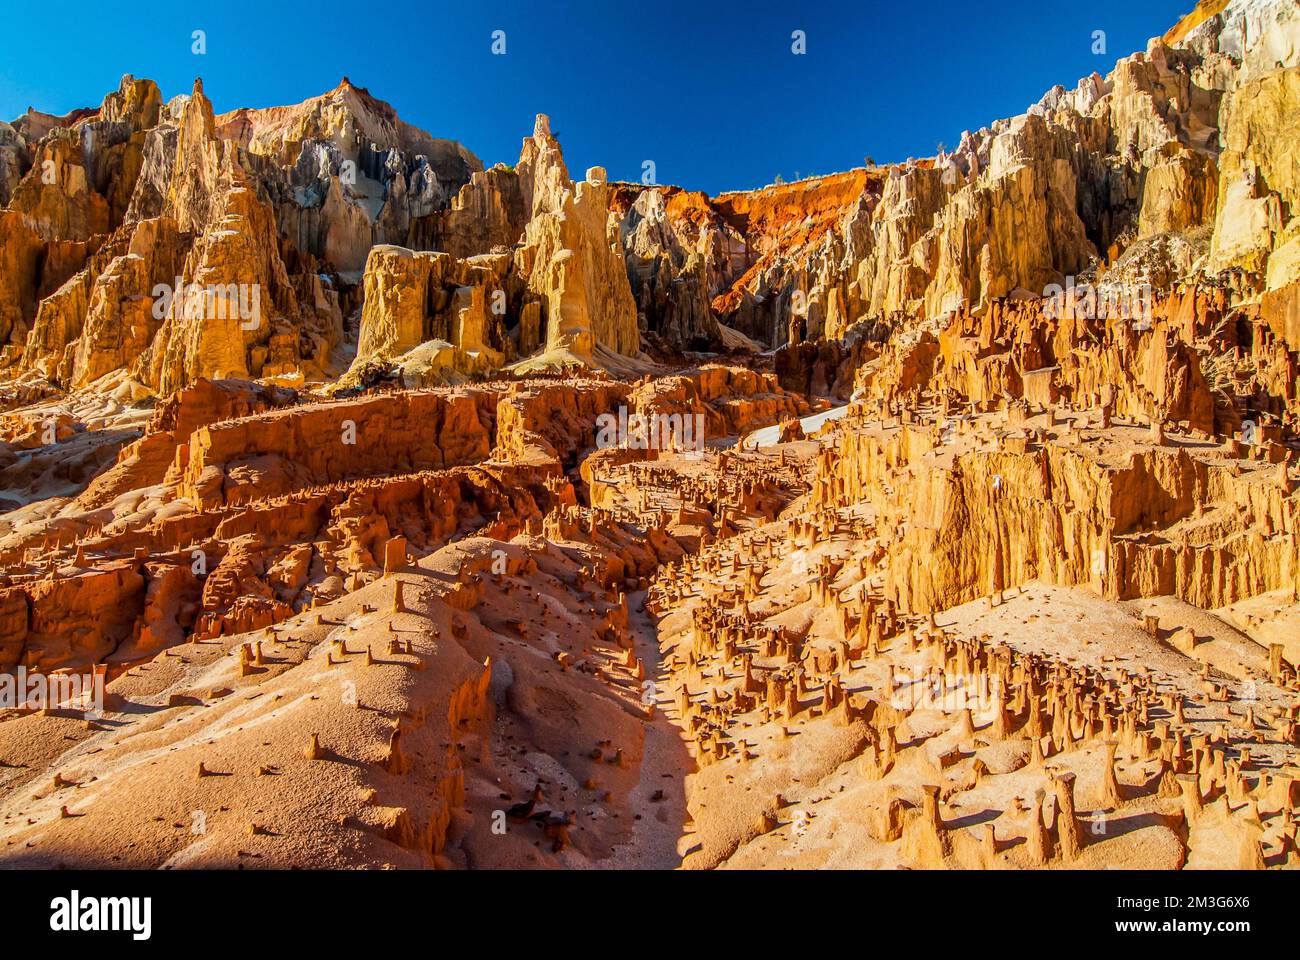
(709, 91)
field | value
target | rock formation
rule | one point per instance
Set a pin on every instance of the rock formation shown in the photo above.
(362, 506)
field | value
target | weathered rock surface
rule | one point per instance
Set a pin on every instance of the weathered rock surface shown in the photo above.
(392, 499)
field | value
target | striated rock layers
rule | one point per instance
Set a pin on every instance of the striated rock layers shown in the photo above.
(1179, 164)
(415, 514)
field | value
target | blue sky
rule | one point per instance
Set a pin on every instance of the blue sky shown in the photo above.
(709, 91)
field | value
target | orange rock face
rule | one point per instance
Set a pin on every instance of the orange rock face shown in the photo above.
(399, 512)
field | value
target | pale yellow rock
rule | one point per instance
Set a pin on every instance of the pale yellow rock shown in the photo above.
(1259, 170)
(572, 257)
